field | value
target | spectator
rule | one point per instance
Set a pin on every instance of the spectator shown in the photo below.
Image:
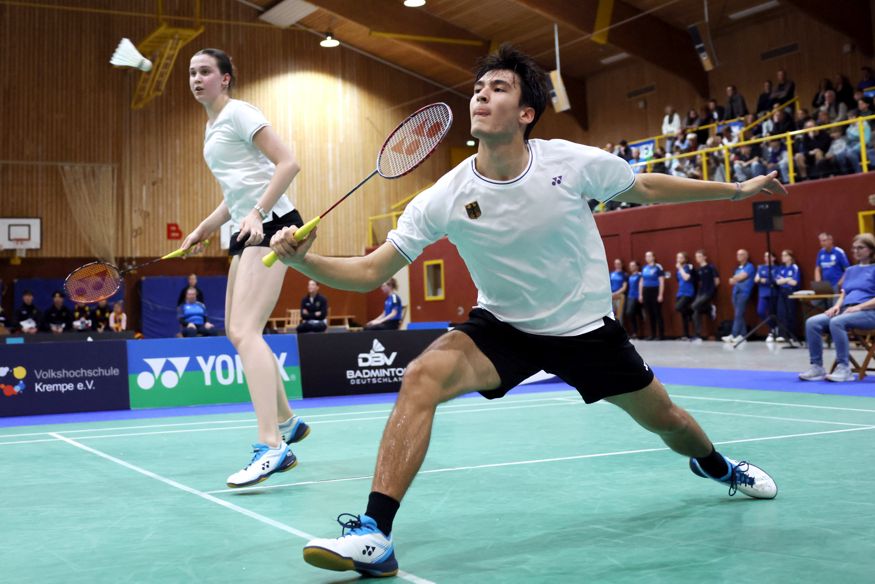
(192, 283)
(781, 122)
(692, 121)
(715, 160)
(811, 147)
(747, 165)
(100, 316)
(58, 317)
(27, 316)
(742, 285)
(855, 308)
(787, 278)
(671, 126)
(192, 316)
(619, 288)
(800, 116)
(852, 137)
(82, 318)
(659, 166)
(784, 91)
(623, 150)
(609, 148)
(864, 109)
(686, 292)
(736, 107)
(764, 101)
(714, 111)
(633, 302)
(844, 91)
(707, 280)
(651, 291)
(868, 80)
(634, 159)
(314, 310)
(766, 302)
(118, 320)
(836, 110)
(822, 118)
(818, 99)
(775, 158)
(392, 309)
(837, 159)
(831, 262)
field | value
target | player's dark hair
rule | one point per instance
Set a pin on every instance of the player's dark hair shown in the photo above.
(223, 61)
(533, 79)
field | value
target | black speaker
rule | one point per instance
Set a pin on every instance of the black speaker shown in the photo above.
(767, 216)
(702, 43)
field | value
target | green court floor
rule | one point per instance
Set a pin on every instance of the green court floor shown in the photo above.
(533, 488)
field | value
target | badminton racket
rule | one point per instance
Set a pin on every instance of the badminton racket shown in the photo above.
(404, 149)
(96, 281)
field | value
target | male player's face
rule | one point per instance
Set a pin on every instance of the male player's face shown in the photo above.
(495, 106)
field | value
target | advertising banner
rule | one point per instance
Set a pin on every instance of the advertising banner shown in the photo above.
(201, 370)
(358, 363)
(53, 378)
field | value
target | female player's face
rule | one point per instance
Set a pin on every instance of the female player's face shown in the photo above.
(495, 106)
(205, 79)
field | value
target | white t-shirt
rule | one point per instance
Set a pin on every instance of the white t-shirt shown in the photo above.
(242, 170)
(531, 243)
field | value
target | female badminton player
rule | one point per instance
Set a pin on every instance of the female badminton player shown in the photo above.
(254, 168)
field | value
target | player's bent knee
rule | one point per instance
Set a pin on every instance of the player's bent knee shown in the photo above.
(423, 380)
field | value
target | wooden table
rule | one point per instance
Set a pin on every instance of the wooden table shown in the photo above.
(340, 319)
(807, 303)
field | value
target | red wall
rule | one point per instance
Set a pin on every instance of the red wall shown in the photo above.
(718, 227)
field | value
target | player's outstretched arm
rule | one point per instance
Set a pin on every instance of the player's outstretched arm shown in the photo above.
(359, 274)
(664, 188)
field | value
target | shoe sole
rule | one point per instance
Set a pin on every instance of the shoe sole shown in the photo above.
(328, 560)
(818, 378)
(263, 478)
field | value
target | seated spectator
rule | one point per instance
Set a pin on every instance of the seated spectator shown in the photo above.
(100, 316)
(192, 283)
(623, 150)
(118, 320)
(671, 126)
(27, 316)
(736, 107)
(836, 110)
(800, 116)
(659, 166)
(715, 160)
(634, 158)
(392, 309)
(864, 109)
(844, 90)
(714, 112)
(764, 101)
(775, 158)
(314, 310)
(781, 122)
(609, 148)
(868, 79)
(728, 136)
(852, 137)
(822, 118)
(837, 159)
(82, 318)
(818, 99)
(811, 147)
(746, 164)
(58, 317)
(784, 90)
(692, 121)
(193, 316)
(855, 308)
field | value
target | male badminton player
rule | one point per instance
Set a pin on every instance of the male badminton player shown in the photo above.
(517, 212)
(254, 168)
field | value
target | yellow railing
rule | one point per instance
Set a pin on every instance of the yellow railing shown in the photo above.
(787, 137)
(766, 116)
(663, 137)
(374, 218)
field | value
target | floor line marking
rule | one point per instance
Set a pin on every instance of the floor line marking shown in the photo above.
(208, 497)
(770, 403)
(697, 411)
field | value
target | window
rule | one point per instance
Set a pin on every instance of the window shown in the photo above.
(433, 271)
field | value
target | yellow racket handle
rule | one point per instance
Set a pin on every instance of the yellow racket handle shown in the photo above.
(182, 252)
(300, 235)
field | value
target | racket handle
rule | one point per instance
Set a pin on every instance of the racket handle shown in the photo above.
(182, 252)
(301, 234)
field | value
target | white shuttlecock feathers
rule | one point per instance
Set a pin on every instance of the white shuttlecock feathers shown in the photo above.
(127, 55)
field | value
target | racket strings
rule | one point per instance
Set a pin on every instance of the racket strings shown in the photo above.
(414, 140)
(92, 282)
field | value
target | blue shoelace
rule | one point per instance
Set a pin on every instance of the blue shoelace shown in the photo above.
(256, 452)
(354, 524)
(740, 477)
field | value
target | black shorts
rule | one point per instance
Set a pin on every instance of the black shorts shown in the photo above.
(275, 224)
(598, 364)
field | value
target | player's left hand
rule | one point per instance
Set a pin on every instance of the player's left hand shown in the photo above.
(761, 184)
(251, 229)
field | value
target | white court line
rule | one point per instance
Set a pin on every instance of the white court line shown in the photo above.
(541, 460)
(208, 497)
(775, 418)
(252, 420)
(769, 403)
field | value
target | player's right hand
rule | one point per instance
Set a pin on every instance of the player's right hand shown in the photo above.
(193, 238)
(289, 249)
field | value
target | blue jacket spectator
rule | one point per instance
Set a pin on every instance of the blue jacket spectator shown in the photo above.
(742, 281)
(788, 279)
(831, 262)
(193, 316)
(392, 309)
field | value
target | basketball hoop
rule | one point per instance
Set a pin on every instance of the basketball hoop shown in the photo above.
(20, 250)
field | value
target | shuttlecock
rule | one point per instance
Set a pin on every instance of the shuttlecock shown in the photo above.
(127, 55)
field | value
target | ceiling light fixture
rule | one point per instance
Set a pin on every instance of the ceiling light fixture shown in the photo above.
(329, 41)
(414, 3)
(614, 58)
(754, 10)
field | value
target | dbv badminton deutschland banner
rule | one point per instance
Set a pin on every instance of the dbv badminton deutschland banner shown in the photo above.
(202, 370)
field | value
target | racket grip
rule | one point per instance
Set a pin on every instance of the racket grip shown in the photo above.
(301, 234)
(183, 252)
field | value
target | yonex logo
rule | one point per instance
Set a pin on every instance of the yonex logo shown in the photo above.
(369, 550)
(169, 378)
(557, 180)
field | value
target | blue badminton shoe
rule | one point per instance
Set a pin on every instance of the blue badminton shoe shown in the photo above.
(265, 461)
(294, 430)
(361, 547)
(742, 476)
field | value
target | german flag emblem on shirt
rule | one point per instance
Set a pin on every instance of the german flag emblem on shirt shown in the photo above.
(473, 210)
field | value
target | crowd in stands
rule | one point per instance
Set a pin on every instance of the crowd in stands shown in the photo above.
(639, 291)
(817, 153)
(57, 318)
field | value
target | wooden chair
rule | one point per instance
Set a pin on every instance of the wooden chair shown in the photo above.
(864, 340)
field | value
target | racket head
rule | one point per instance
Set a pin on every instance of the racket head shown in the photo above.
(414, 140)
(92, 282)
